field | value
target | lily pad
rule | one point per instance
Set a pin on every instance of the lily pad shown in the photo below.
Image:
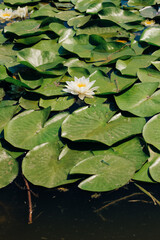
(7, 111)
(141, 99)
(8, 168)
(119, 16)
(141, 2)
(108, 172)
(37, 59)
(96, 124)
(143, 174)
(151, 35)
(151, 131)
(20, 2)
(51, 87)
(29, 128)
(148, 75)
(24, 28)
(51, 171)
(57, 104)
(79, 45)
(131, 65)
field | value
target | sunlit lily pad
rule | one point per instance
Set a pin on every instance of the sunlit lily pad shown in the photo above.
(51, 171)
(151, 131)
(57, 104)
(151, 35)
(8, 168)
(31, 128)
(96, 124)
(141, 2)
(24, 28)
(148, 75)
(7, 110)
(131, 65)
(119, 16)
(108, 170)
(141, 99)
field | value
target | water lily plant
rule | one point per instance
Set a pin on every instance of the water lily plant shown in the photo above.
(21, 12)
(81, 87)
(8, 14)
(148, 23)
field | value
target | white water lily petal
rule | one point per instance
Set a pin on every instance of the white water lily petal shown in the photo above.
(21, 12)
(6, 14)
(81, 87)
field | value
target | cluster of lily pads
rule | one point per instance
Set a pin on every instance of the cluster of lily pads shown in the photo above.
(54, 128)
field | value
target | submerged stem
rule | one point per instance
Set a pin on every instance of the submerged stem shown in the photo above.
(155, 201)
(29, 201)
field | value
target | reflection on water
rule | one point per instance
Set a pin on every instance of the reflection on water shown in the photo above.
(70, 215)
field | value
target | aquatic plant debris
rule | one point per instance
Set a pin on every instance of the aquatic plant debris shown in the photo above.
(79, 93)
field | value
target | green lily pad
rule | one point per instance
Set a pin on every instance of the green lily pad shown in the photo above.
(66, 15)
(32, 40)
(148, 75)
(103, 82)
(31, 78)
(154, 168)
(108, 172)
(2, 94)
(96, 124)
(51, 87)
(24, 28)
(110, 53)
(141, 2)
(79, 45)
(3, 73)
(131, 65)
(28, 104)
(37, 59)
(119, 16)
(151, 131)
(46, 10)
(29, 128)
(7, 110)
(78, 21)
(148, 12)
(82, 5)
(151, 35)
(132, 150)
(57, 104)
(141, 99)
(156, 64)
(51, 171)
(20, 2)
(103, 28)
(8, 168)
(143, 174)
(122, 82)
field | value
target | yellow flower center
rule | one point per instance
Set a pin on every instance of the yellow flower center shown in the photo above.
(81, 85)
(6, 14)
(149, 22)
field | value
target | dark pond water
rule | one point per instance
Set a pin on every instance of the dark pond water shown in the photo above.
(71, 215)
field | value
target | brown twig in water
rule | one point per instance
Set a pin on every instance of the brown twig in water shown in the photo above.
(155, 201)
(117, 200)
(24, 188)
(29, 201)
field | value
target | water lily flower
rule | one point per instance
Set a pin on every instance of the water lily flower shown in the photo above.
(6, 14)
(148, 22)
(21, 12)
(81, 87)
